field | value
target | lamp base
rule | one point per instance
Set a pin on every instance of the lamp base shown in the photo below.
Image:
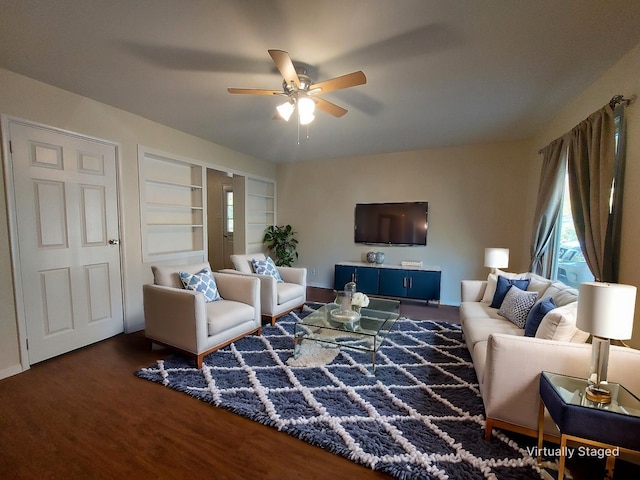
(597, 394)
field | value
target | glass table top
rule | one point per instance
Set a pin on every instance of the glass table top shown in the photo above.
(572, 392)
(365, 334)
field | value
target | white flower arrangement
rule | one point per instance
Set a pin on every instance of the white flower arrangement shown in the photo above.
(359, 300)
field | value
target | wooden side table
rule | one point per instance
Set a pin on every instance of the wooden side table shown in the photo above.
(599, 429)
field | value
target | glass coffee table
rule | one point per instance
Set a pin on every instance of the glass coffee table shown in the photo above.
(365, 334)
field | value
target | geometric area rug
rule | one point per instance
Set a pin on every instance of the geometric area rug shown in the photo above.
(420, 417)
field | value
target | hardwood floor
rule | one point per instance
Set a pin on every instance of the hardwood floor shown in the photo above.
(85, 415)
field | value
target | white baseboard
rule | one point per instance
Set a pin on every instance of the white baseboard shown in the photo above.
(9, 372)
(319, 285)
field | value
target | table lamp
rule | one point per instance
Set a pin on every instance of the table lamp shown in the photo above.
(496, 258)
(606, 311)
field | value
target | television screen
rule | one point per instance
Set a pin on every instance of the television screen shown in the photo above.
(391, 223)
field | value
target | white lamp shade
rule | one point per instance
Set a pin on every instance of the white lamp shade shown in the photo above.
(285, 110)
(606, 309)
(496, 257)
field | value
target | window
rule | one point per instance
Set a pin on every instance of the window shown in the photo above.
(571, 267)
(228, 210)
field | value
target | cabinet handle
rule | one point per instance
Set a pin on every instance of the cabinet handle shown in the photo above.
(354, 277)
(404, 282)
(410, 282)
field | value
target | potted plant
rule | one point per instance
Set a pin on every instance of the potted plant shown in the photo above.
(281, 242)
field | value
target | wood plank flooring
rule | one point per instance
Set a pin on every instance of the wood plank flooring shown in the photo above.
(84, 415)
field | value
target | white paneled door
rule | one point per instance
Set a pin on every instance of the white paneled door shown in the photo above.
(66, 214)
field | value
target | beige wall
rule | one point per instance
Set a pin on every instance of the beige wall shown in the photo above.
(622, 78)
(37, 102)
(477, 198)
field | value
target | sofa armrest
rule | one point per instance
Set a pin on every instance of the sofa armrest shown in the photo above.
(294, 275)
(175, 316)
(472, 290)
(512, 373)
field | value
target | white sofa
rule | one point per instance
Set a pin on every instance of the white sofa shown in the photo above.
(508, 364)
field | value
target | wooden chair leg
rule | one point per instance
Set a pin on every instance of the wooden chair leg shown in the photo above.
(488, 428)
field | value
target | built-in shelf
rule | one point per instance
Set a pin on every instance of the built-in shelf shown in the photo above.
(172, 206)
(260, 211)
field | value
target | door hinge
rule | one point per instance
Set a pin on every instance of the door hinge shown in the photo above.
(10, 147)
(27, 344)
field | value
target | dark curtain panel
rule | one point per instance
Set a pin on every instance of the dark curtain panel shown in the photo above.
(614, 230)
(592, 168)
(548, 207)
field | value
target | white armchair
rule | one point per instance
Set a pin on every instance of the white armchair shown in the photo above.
(181, 319)
(276, 298)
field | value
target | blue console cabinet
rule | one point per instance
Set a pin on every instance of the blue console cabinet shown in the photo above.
(390, 281)
(366, 278)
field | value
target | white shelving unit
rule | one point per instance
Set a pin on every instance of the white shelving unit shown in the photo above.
(260, 211)
(172, 207)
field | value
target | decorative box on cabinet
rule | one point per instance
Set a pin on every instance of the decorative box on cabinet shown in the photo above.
(390, 280)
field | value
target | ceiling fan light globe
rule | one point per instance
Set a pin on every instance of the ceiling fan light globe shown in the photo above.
(306, 118)
(285, 110)
(306, 106)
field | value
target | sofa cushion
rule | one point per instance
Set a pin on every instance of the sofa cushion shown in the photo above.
(560, 325)
(169, 276)
(516, 305)
(201, 281)
(226, 314)
(536, 314)
(478, 329)
(502, 287)
(266, 267)
(242, 263)
(289, 291)
(537, 283)
(562, 294)
(492, 281)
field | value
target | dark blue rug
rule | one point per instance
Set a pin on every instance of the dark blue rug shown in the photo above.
(420, 417)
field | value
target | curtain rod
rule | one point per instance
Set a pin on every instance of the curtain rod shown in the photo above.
(619, 99)
(615, 100)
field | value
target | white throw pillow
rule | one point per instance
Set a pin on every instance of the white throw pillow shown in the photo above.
(492, 281)
(560, 324)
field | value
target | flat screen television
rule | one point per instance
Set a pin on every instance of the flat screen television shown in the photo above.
(402, 223)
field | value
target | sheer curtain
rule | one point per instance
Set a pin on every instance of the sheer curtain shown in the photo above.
(548, 207)
(592, 168)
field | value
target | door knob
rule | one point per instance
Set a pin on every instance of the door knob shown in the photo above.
(114, 241)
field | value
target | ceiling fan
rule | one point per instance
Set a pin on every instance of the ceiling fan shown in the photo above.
(302, 93)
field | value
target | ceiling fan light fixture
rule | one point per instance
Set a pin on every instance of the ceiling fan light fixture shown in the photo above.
(305, 118)
(285, 110)
(306, 107)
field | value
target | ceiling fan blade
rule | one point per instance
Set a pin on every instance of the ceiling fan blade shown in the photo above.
(330, 108)
(338, 83)
(285, 67)
(254, 91)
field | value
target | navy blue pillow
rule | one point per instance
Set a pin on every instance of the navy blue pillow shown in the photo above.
(503, 286)
(536, 314)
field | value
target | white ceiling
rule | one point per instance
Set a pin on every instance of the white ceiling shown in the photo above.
(441, 72)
